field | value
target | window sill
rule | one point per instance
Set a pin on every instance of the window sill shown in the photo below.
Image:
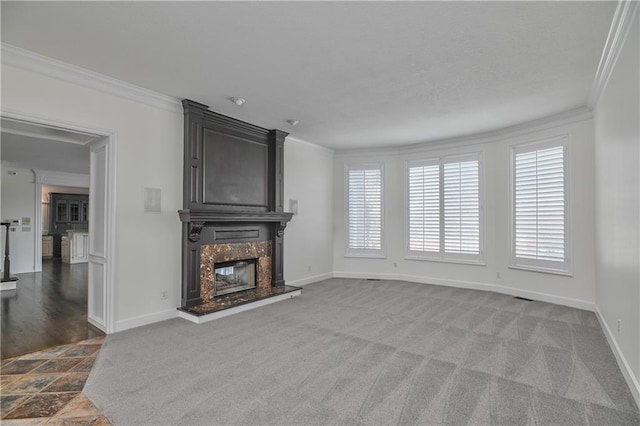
(365, 256)
(444, 260)
(542, 270)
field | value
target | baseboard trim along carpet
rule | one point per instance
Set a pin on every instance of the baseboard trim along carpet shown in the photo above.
(473, 285)
(141, 320)
(625, 368)
(310, 280)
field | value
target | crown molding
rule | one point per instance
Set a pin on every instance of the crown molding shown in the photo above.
(563, 118)
(618, 32)
(309, 144)
(48, 177)
(30, 61)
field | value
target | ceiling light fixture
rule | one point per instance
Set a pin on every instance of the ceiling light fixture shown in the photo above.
(238, 101)
(293, 122)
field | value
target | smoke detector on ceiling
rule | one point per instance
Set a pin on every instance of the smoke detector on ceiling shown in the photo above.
(293, 122)
(238, 101)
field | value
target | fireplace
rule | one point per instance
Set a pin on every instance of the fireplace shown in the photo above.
(233, 218)
(216, 259)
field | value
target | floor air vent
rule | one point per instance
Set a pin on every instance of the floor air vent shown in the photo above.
(523, 298)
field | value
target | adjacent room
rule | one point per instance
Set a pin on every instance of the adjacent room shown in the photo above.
(320, 212)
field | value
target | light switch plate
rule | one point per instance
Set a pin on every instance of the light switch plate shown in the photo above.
(152, 200)
(293, 207)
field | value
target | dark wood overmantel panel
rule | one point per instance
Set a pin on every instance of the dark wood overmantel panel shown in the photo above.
(232, 190)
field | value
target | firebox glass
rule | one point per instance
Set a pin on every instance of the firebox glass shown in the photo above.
(235, 276)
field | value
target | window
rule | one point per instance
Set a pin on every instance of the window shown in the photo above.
(364, 208)
(444, 209)
(539, 216)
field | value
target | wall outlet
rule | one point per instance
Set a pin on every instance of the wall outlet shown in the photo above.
(395, 264)
(498, 275)
(309, 268)
(163, 295)
(619, 323)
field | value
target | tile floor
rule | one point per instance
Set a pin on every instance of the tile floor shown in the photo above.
(45, 387)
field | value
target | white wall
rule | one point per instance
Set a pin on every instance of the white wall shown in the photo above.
(578, 290)
(18, 201)
(308, 241)
(617, 151)
(148, 154)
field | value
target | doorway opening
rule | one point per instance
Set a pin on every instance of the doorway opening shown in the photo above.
(67, 249)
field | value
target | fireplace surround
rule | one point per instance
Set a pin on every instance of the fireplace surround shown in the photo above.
(232, 203)
(215, 256)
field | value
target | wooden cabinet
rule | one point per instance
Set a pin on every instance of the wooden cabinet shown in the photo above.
(47, 247)
(84, 212)
(70, 212)
(74, 210)
(75, 247)
(61, 211)
(64, 249)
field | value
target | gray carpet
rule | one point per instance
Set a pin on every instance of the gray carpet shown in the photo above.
(368, 352)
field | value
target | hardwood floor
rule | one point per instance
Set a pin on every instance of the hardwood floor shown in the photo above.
(48, 308)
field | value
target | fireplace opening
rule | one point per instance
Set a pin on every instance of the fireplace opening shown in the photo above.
(235, 276)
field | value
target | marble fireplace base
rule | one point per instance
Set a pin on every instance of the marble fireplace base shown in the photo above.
(237, 302)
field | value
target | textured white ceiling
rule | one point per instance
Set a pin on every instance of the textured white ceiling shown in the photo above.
(356, 74)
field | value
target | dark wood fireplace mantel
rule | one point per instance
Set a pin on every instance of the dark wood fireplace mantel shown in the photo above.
(200, 218)
(232, 190)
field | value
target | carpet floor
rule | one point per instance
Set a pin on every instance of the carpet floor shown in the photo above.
(368, 352)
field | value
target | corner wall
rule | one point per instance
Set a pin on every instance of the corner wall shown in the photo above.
(617, 205)
(308, 240)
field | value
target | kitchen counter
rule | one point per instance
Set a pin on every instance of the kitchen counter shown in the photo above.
(75, 247)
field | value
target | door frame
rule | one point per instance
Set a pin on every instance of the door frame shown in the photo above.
(107, 142)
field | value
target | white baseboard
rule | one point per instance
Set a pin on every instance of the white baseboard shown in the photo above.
(472, 285)
(309, 280)
(97, 325)
(630, 378)
(134, 322)
(8, 285)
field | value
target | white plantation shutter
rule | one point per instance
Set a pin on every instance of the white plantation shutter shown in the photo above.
(444, 209)
(540, 207)
(424, 208)
(364, 209)
(461, 208)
